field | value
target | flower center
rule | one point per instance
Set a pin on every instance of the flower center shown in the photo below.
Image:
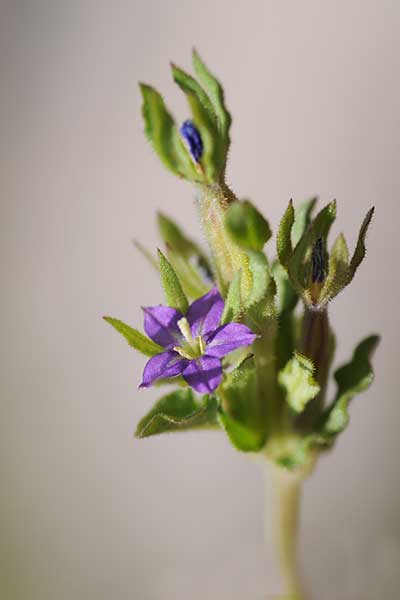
(191, 348)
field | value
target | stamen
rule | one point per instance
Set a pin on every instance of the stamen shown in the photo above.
(184, 328)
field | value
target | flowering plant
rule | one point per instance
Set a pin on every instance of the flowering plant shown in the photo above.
(251, 354)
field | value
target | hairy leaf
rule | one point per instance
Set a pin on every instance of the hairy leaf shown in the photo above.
(353, 378)
(162, 132)
(178, 411)
(174, 293)
(297, 378)
(134, 338)
(284, 236)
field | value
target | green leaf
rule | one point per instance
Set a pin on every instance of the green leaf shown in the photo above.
(205, 120)
(242, 415)
(338, 269)
(286, 298)
(134, 338)
(284, 236)
(178, 411)
(240, 436)
(353, 378)
(173, 290)
(261, 277)
(162, 132)
(216, 95)
(297, 378)
(247, 226)
(360, 250)
(233, 301)
(302, 219)
(177, 241)
(191, 280)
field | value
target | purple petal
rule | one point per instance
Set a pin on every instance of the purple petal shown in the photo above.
(205, 313)
(204, 374)
(161, 366)
(160, 324)
(229, 337)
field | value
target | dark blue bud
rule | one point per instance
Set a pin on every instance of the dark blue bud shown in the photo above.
(318, 262)
(192, 138)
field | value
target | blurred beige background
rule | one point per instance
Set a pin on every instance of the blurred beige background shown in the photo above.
(86, 511)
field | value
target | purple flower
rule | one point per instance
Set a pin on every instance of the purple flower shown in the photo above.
(192, 138)
(194, 344)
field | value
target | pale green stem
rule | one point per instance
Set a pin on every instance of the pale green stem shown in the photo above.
(287, 492)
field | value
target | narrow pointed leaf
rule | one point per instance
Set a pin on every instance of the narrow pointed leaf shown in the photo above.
(360, 250)
(297, 378)
(284, 236)
(178, 411)
(134, 338)
(174, 293)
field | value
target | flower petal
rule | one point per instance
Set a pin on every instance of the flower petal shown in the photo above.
(205, 313)
(227, 338)
(204, 374)
(160, 324)
(161, 366)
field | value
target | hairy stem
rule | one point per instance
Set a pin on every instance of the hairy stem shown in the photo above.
(287, 492)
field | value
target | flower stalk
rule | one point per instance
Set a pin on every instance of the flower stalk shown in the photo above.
(287, 489)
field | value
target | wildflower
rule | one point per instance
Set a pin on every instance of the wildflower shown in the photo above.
(194, 344)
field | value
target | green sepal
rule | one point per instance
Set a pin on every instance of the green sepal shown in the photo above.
(247, 226)
(233, 301)
(178, 411)
(297, 378)
(174, 293)
(360, 250)
(284, 236)
(134, 338)
(302, 219)
(352, 378)
(240, 412)
(338, 269)
(212, 161)
(286, 298)
(216, 94)
(162, 132)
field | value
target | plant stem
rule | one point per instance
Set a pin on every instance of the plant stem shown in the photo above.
(287, 492)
